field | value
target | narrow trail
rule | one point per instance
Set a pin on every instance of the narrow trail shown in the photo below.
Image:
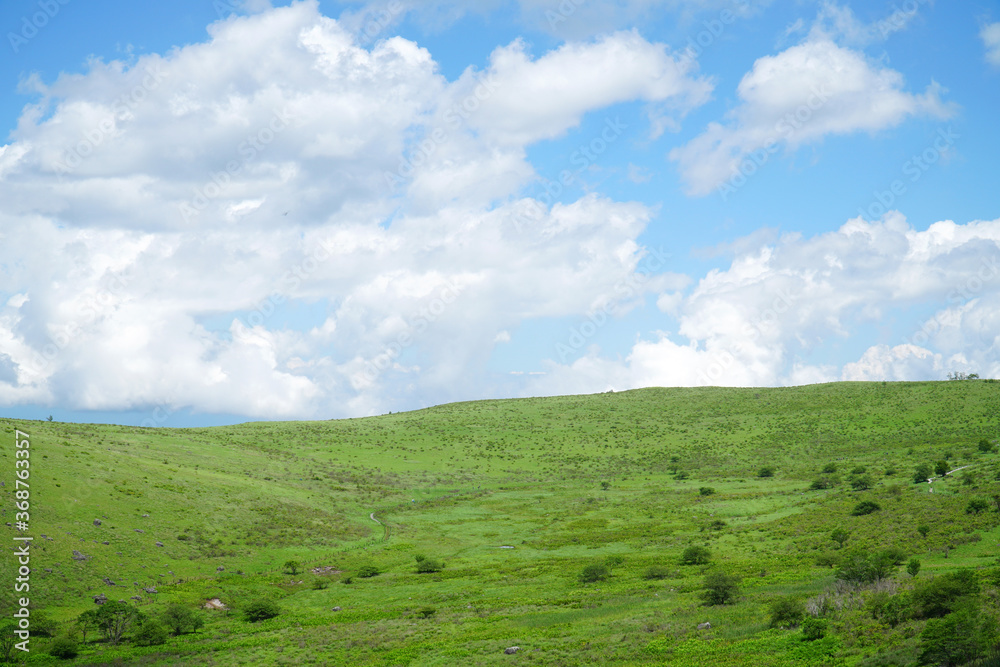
(385, 528)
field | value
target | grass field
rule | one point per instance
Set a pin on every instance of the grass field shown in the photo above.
(515, 497)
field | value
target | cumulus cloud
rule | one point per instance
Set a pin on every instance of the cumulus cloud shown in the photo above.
(757, 322)
(806, 92)
(178, 211)
(990, 34)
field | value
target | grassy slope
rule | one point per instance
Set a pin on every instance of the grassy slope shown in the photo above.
(458, 481)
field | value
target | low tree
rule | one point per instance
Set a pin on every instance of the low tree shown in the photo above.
(696, 555)
(613, 561)
(865, 507)
(766, 471)
(940, 596)
(913, 566)
(813, 628)
(922, 473)
(923, 529)
(787, 612)
(292, 566)
(985, 446)
(8, 641)
(720, 588)
(839, 535)
(115, 618)
(977, 505)
(958, 638)
(64, 648)
(180, 619)
(427, 565)
(261, 610)
(594, 572)
(829, 469)
(862, 482)
(821, 483)
(941, 468)
(150, 633)
(656, 572)
(368, 571)
(863, 567)
(706, 491)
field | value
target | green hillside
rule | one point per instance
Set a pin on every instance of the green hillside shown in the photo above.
(515, 498)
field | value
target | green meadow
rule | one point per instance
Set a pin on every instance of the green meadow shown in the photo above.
(514, 499)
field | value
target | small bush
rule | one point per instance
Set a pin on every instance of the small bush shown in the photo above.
(426, 612)
(977, 505)
(595, 572)
(858, 470)
(865, 507)
(261, 610)
(681, 475)
(821, 483)
(922, 473)
(828, 559)
(787, 612)
(766, 471)
(720, 588)
(984, 446)
(718, 524)
(292, 566)
(813, 628)
(696, 555)
(347, 580)
(656, 572)
(862, 482)
(150, 633)
(320, 584)
(368, 571)
(183, 538)
(913, 567)
(829, 469)
(706, 491)
(64, 648)
(429, 565)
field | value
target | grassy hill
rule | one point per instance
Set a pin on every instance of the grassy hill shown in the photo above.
(516, 498)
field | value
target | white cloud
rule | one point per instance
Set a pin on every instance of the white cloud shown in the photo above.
(277, 134)
(757, 322)
(990, 34)
(799, 96)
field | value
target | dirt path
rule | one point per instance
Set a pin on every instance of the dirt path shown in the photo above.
(385, 529)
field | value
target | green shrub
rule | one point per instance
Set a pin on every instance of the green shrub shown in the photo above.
(347, 580)
(839, 535)
(656, 572)
(829, 469)
(720, 588)
(940, 468)
(718, 524)
(821, 483)
(813, 628)
(594, 572)
(150, 633)
(787, 612)
(862, 482)
(261, 610)
(913, 567)
(977, 505)
(937, 597)
(681, 475)
(426, 612)
(183, 538)
(957, 639)
(766, 471)
(706, 491)
(64, 648)
(368, 571)
(429, 565)
(292, 566)
(320, 584)
(865, 507)
(859, 470)
(180, 619)
(922, 473)
(828, 559)
(862, 567)
(984, 446)
(696, 555)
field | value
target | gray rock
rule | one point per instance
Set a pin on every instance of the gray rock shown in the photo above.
(97, 522)
(79, 556)
(336, 608)
(705, 626)
(159, 544)
(139, 530)
(100, 599)
(220, 569)
(512, 650)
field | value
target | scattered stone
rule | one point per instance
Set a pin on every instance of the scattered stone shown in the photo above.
(145, 516)
(336, 608)
(139, 530)
(705, 626)
(136, 598)
(220, 569)
(100, 599)
(215, 603)
(109, 582)
(326, 569)
(159, 544)
(512, 650)
(106, 543)
(79, 556)
(97, 522)
(150, 589)
(48, 569)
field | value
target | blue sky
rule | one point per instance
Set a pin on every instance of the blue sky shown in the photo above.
(217, 212)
